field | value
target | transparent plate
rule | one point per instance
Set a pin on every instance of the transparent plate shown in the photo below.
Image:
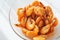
(13, 18)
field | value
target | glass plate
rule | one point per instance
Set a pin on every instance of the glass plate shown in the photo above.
(13, 18)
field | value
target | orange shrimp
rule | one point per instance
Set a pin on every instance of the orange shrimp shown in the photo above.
(30, 24)
(49, 13)
(46, 22)
(55, 22)
(39, 38)
(38, 20)
(41, 24)
(39, 11)
(29, 11)
(32, 33)
(45, 29)
(36, 3)
(20, 13)
(23, 21)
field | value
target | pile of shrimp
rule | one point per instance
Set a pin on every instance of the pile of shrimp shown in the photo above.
(36, 20)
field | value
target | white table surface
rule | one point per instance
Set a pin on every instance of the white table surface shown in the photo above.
(6, 33)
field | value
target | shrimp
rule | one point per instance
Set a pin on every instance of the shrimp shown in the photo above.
(24, 30)
(27, 7)
(55, 22)
(29, 11)
(23, 21)
(36, 3)
(30, 24)
(20, 14)
(48, 9)
(50, 16)
(40, 37)
(46, 22)
(36, 29)
(32, 33)
(45, 29)
(33, 16)
(41, 23)
(39, 11)
(49, 13)
(37, 20)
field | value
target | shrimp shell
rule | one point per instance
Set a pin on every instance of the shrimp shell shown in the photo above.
(32, 33)
(39, 11)
(23, 21)
(37, 20)
(20, 13)
(30, 24)
(29, 11)
(39, 38)
(45, 29)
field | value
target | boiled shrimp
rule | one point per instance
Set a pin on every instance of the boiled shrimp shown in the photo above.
(37, 20)
(49, 13)
(20, 14)
(23, 21)
(55, 22)
(41, 24)
(45, 29)
(29, 11)
(46, 22)
(37, 3)
(32, 33)
(40, 37)
(39, 11)
(30, 24)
